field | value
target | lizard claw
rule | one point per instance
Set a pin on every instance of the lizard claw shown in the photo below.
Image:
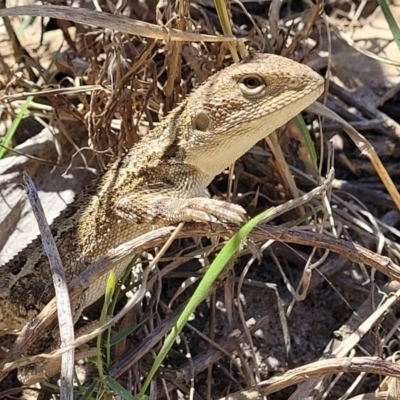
(210, 210)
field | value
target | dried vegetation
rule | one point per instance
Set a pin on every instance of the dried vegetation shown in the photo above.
(300, 291)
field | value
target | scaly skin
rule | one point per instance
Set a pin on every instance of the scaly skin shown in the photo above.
(163, 179)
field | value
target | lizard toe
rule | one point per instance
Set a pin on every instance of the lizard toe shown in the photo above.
(210, 210)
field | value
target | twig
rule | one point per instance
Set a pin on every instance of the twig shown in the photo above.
(66, 324)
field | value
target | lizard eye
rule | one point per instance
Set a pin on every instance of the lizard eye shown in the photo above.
(251, 85)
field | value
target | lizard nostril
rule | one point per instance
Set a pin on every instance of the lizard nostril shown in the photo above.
(201, 121)
(295, 82)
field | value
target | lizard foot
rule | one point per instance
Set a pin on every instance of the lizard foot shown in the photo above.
(203, 209)
(172, 210)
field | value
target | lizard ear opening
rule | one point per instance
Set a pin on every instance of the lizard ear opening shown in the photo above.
(201, 121)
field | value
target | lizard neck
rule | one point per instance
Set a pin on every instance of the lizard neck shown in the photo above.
(214, 158)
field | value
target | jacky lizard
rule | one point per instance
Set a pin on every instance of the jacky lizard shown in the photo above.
(163, 179)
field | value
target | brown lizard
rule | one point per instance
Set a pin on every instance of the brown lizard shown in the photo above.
(163, 179)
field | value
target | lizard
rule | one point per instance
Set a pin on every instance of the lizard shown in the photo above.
(163, 179)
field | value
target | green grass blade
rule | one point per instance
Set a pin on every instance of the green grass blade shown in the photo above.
(308, 141)
(15, 124)
(119, 389)
(89, 391)
(224, 256)
(391, 21)
(110, 289)
(12, 129)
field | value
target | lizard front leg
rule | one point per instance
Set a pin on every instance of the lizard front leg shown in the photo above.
(170, 210)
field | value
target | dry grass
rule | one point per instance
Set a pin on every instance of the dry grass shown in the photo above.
(295, 295)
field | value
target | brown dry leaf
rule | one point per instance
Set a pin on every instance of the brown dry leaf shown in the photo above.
(116, 22)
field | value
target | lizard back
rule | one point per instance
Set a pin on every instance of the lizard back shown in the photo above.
(163, 179)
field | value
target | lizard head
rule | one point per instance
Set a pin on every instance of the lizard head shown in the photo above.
(240, 105)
